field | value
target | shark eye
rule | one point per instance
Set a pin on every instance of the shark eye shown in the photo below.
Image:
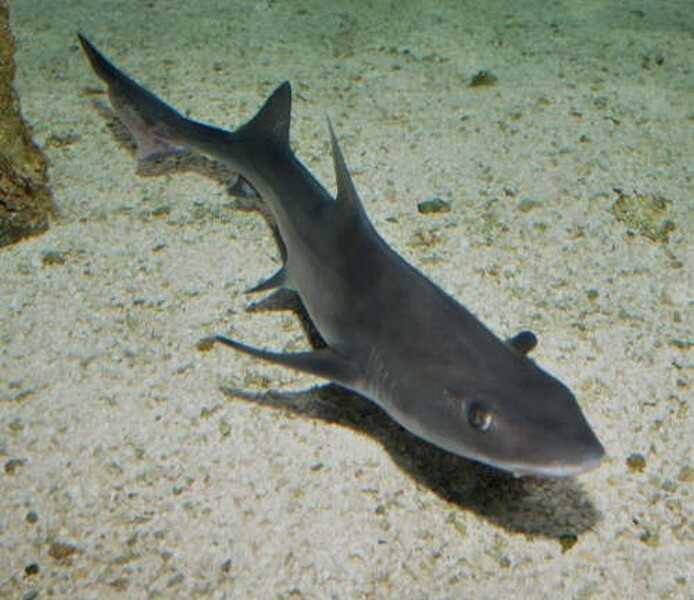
(479, 417)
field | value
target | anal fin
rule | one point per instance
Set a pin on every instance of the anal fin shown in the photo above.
(324, 363)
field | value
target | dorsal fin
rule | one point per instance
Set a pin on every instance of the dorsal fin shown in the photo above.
(346, 192)
(272, 120)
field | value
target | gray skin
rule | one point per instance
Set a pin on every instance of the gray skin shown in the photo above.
(391, 334)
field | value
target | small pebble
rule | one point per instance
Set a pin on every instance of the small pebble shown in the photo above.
(636, 462)
(53, 257)
(205, 344)
(483, 79)
(567, 541)
(527, 204)
(61, 551)
(433, 206)
(13, 465)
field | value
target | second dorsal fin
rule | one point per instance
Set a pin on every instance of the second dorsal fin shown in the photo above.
(272, 120)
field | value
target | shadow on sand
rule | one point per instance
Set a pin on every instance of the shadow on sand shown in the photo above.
(536, 507)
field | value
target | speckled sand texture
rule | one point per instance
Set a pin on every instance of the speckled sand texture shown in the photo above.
(129, 472)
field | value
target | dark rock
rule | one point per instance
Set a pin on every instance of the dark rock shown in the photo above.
(432, 206)
(26, 202)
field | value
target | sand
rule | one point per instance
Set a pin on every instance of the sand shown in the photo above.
(130, 466)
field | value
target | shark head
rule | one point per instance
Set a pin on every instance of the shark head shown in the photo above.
(525, 422)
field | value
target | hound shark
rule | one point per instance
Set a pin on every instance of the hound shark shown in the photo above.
(391, 334)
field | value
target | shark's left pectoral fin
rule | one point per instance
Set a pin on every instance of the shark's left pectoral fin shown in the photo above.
(523, 342)
(323, 363)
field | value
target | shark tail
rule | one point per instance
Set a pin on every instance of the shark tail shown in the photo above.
(159, 129)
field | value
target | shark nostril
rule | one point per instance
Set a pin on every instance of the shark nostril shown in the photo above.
(479, 417)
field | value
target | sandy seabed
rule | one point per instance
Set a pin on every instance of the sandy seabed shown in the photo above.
(131, 470)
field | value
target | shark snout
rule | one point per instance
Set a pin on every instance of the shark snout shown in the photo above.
(560, 453)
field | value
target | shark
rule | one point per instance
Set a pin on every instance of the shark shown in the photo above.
(390, 334)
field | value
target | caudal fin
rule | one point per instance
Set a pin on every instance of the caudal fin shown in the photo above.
(158, 128)
(154, 124)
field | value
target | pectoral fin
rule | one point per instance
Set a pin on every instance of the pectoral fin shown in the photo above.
(523, 342)
(323, 363)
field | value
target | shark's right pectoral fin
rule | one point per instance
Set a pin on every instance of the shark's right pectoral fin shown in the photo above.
(324, 363)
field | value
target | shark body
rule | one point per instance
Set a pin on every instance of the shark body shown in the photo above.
(391, 334)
